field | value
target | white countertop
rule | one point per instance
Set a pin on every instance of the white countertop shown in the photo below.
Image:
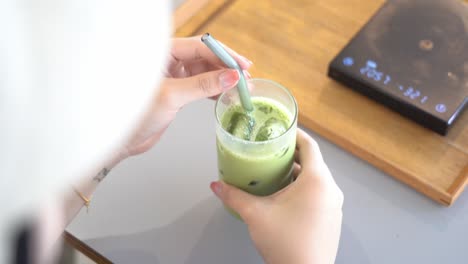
(158, 208)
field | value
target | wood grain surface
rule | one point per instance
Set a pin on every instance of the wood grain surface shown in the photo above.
(187, 10)
(292, 42)
(85, 249)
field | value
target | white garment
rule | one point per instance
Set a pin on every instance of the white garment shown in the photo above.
(75, 76)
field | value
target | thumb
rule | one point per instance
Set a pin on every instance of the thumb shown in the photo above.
(243, 203)
(201, 86)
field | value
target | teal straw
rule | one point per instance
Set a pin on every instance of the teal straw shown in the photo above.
(225, 57)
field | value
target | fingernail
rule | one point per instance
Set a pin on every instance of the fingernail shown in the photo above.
(247, 74)
(216, 187)
(246, 60)
(228, 79)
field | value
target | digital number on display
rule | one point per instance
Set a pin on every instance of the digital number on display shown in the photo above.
(370, 71)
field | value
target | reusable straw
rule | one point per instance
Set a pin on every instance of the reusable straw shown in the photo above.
(225, 57)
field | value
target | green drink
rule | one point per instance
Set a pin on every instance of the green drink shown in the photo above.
(256, 149)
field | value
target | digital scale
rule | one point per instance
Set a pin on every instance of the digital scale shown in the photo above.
(412, 56)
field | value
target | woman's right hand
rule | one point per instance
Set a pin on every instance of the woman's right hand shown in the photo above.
(301, 223)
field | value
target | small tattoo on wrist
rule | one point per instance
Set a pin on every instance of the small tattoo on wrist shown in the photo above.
(101, 175)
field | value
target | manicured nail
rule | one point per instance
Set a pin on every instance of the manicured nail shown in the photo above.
(247, 74)
(228, 79)
(216, 187)
(246, 60)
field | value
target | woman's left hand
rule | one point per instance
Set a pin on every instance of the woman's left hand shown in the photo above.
(193, 73)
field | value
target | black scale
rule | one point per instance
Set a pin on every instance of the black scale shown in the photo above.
(412, 56)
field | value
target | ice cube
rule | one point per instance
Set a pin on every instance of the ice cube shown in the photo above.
(272, 128)
(241, 125)
(266, 109)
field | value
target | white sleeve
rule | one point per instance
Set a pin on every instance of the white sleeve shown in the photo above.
(75, 76)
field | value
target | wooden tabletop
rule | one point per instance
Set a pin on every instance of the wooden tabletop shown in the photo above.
(292, 42)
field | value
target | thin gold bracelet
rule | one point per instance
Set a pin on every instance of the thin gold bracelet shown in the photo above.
(98, 178)
(86, 200)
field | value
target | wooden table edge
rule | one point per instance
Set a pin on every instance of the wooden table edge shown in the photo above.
(459, 184)
(85, 249)
(196, 19)
(186, 11)
(444, 197)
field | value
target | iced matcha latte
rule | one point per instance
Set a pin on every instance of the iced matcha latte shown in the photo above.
(256, 149)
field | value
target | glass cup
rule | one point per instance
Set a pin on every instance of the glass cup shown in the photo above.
(258, 167)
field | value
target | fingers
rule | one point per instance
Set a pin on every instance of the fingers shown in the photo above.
(192, 49)
(310, 158)
(308, 151)
(296, 170)
(241, 202)
(198, 67)
(179, 92)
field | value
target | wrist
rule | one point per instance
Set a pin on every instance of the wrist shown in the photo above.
(295, 260)
(86, 186)
(120, 155)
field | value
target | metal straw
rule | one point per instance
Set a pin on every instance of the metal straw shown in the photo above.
(230, 62)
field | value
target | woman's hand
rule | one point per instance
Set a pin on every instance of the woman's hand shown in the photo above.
(193, 73)
(301, 223)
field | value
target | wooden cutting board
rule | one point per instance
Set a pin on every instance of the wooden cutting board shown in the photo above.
(292, 42)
